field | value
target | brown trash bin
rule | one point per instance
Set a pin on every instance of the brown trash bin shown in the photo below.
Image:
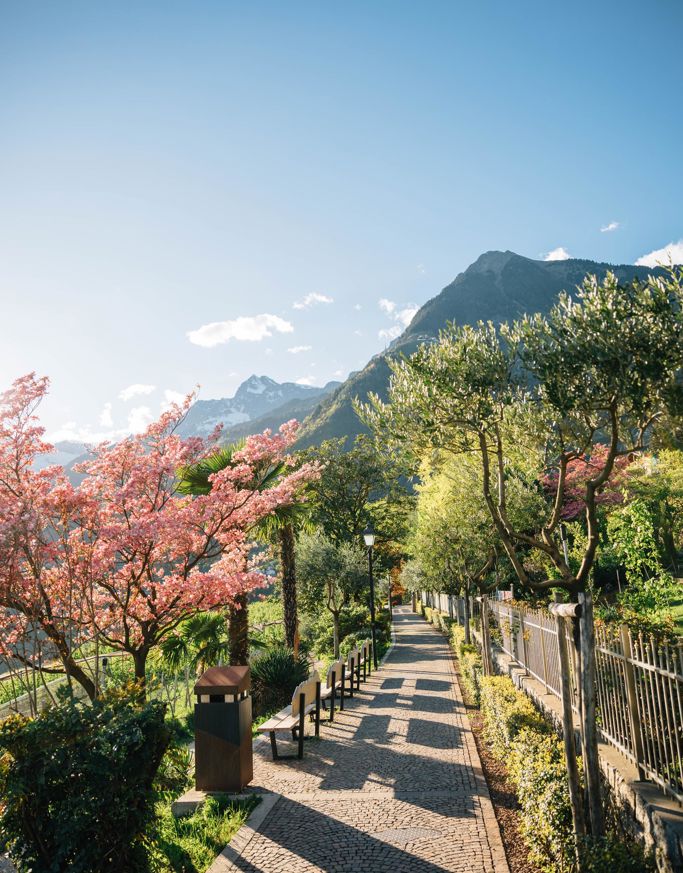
(222, 730)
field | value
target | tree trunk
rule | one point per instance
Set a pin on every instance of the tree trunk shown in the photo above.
(140, 664)
(238, 631)
(288, 566)
(575, 798)
(486, 639)
(77, 673)
(335, 623)
(468, 638)
(589, 730)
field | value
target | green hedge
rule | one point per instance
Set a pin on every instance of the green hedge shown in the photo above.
(77, 784)
(471, 669)
(534, 757)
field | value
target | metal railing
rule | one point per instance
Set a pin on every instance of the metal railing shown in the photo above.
(639, 681)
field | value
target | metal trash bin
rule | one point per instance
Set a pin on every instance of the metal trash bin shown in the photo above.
(222, 730)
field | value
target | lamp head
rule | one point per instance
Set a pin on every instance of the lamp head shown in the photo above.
(369, 536)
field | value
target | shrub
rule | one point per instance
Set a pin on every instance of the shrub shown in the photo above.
(535, 763)
(77, 784)
(534, 758)
(274, 676)
(506, 712)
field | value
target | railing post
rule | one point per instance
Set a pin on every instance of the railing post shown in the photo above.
(543, 655)
(632, 700)
(525, 656)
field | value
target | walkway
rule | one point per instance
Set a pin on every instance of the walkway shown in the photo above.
(395, 784)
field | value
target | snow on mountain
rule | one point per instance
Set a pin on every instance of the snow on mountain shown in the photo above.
(256, 397)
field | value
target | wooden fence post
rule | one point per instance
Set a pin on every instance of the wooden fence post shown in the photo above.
(589, 729)
(525, 661)
(632, 700)
(568, 736)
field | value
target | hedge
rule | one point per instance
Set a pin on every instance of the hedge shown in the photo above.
(471, 669)
(534, 757)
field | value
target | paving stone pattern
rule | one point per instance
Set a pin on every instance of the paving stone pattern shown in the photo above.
(394, 784)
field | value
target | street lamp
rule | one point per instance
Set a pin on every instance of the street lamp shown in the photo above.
(369, 537)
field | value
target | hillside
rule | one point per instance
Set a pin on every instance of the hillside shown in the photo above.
(497, 287)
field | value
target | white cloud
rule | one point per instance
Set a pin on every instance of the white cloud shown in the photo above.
(136, 390)
(401, 317)
(673, 253)
(306, 380)
(339, 374)
(558, 254)
(421, 269)
(296, 350)
(358, 332)
(608, 228)
(105, 418)
(405, 316)
(357, 307)
(138, 418)
(390, 333)
(312, 300)
(73, 432)
(171, 397)
(251, 328)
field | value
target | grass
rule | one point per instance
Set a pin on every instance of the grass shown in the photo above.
(191, 844)
(677, 610)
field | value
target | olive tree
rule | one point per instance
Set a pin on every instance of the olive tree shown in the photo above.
(600, 369)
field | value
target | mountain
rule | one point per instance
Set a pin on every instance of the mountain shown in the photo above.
(65, 453)
(259, 402)
(497, 287)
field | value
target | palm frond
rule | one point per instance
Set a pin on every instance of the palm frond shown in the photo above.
(194, 478)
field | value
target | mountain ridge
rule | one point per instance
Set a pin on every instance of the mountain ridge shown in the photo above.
(498, 286)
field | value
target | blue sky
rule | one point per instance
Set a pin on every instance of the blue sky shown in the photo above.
(303, 175)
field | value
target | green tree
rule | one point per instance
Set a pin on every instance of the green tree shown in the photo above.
(330, 574)
(357, 484)
(279, 526)
(599, 370)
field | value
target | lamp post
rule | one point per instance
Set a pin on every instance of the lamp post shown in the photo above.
(369, 537)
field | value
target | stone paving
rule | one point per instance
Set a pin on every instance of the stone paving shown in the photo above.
(394, 784)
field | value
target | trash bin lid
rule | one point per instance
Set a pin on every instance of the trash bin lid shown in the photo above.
(223, 680)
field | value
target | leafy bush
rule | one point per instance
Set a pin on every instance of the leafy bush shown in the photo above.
(274, 676)
(506, 712)
(471, 669)
(534, 758)
(615, 853)
(77, 784)
(535, 764)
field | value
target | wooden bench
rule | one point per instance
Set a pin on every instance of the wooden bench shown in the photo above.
(335, 682)
(366, 658)
(292, 719)
(353, 669)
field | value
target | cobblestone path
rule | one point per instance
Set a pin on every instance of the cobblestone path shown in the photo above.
(394, 785)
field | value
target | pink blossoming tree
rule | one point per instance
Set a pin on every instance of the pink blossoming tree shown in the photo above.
(126, 556)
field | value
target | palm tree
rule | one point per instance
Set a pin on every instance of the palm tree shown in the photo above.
(279, 527)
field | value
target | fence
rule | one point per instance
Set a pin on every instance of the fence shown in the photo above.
(639, 681)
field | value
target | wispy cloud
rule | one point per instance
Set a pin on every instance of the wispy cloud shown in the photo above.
(297, 350)
(171, 397)
(105, 418)
(390, 333)
(670, 254)
(401, 316)
(558, 254)
(307, 380)
(251, 328)
(608, 228)
(136, 390)
(312, 299)
(138, 419)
